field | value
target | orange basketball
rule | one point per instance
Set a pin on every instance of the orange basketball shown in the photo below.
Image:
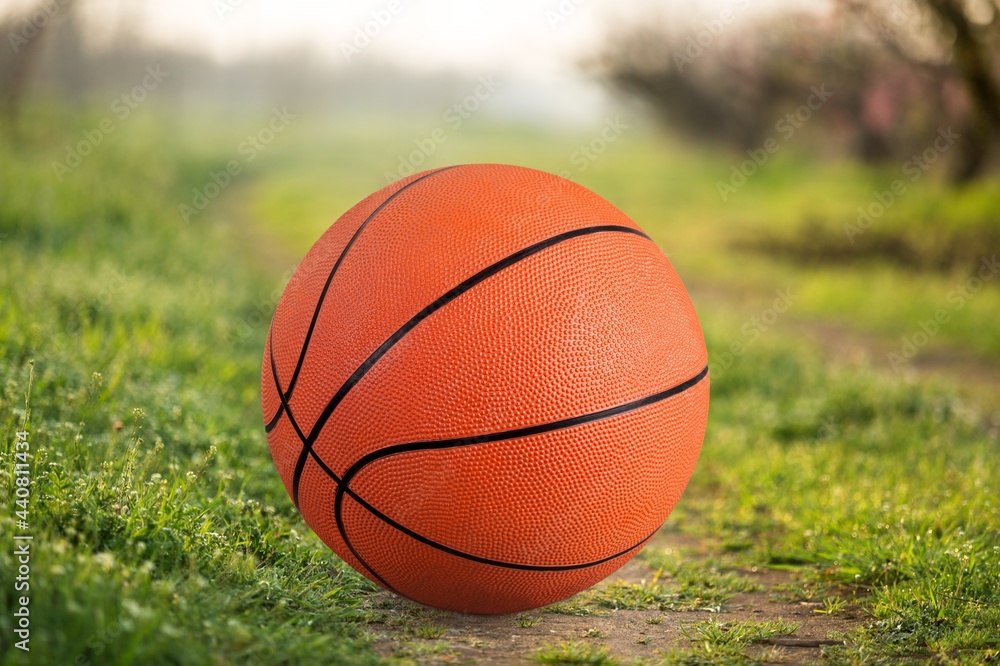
(485, 388)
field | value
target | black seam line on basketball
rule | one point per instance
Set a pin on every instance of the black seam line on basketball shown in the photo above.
(526, 431)
(405, 596)
(273, 423)
(284, 402)
(306, 443)
(343, 487)
(370, 568)
(437, 304)
(326, 286)
(336, 479)
(468, 556)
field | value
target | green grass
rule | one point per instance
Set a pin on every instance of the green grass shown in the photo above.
(738, 634)
(717, 642)
(428, 631)
(163, 535)
(686, 586)
(525, 620)
(413, 652)
(565, 654)
(831, 606)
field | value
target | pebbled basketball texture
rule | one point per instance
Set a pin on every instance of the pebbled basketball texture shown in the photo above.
(485, 388)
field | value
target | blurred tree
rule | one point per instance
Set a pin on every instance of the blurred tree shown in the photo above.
(888, 64)
(26, 36)
(961, 34)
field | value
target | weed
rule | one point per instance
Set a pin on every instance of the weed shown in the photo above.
(574, 653)
(738, 634)
(428, 631)
(832, 606)
(525, 620)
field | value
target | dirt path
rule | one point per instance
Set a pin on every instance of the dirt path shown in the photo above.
(232, 210)
(627, 634)
(975, 377)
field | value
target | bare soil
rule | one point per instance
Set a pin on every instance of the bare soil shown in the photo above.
(975, 377)
(499, 639)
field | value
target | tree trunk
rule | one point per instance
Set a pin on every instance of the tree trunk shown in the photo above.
(19, 76)
(973, 65)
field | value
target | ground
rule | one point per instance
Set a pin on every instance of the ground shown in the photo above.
(844, 508)
(640, 633)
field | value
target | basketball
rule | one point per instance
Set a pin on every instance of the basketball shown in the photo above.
(485, 388)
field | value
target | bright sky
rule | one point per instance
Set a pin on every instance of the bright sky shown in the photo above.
(533, 38)
(535, 45)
